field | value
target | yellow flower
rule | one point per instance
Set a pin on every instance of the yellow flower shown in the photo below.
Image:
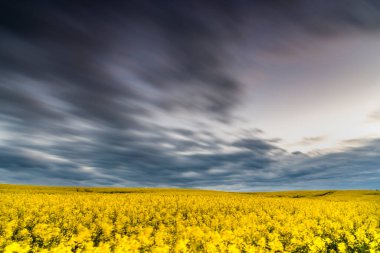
(342, 247)
(14, 247)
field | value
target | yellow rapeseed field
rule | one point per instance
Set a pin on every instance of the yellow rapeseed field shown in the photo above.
(57, 219)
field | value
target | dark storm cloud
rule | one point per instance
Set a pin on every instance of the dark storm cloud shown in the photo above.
(354, 167)
(136, 160)
(73, 46)
(19, 104)
(180, 49)
(254, 145)
(18, 163)
(81, 83)
(133, 158)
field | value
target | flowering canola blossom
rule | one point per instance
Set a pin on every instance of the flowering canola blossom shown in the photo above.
(53, 219)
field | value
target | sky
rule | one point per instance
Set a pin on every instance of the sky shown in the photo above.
(227, 95)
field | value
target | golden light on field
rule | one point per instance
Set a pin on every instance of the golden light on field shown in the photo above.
(57, 219)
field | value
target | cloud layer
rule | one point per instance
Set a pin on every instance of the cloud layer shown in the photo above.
(133, 93)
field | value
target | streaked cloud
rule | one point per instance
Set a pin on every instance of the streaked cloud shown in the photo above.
(188, 94)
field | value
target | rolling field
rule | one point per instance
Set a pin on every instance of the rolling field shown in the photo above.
(69, 219)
